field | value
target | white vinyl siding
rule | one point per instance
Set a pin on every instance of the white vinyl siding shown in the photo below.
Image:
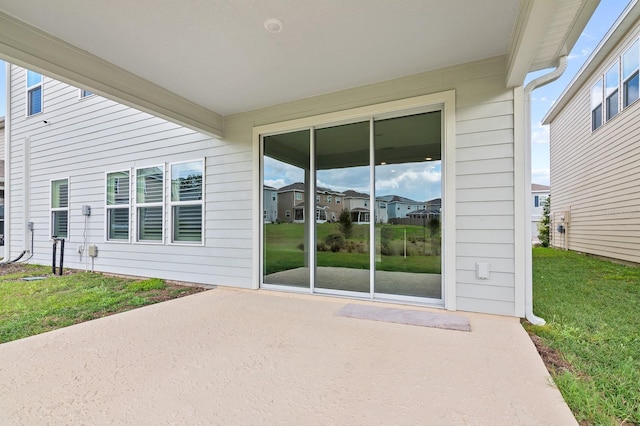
(59, 208)
(109, 137)
(484, 165)
(150, 204)
(595, 175)
(118, 202)
(187, 189)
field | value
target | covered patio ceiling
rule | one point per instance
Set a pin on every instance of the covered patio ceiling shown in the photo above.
(195, 62)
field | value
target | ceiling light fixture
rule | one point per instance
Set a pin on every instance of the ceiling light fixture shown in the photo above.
(428, 158)
(273, 25)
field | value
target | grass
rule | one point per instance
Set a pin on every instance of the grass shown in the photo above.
(283, 250)
(33, 307)
(592, 309)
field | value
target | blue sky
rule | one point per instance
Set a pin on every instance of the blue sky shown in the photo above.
(542, 98)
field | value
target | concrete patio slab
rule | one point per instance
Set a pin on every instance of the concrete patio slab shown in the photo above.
(229, 356)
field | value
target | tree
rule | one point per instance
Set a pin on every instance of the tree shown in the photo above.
(544, 233)
(346, 226)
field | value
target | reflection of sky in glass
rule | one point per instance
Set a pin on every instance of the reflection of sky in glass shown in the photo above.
(33, 78)
(184, 170)
(417, 181)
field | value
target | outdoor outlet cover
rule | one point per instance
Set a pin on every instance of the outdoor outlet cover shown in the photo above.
(482, 270)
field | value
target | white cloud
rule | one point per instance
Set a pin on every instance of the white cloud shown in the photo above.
(540, 134)
(540, 176)
(581, 54)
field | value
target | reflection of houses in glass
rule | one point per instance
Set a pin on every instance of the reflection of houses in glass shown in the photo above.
(433, 209)
(287, 205)
(270, 198)
(290, 203)
(358, 203)
(397, 207)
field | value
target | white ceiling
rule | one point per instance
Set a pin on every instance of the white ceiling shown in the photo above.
(217, 54)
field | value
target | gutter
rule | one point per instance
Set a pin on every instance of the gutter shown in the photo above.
(538, 82)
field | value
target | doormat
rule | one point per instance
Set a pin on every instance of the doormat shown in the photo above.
(405, 316)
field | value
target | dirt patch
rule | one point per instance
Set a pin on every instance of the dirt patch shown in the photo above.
(552, 358)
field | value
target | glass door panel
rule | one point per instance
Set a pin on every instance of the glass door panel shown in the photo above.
(342, 207)
(286, 171)
(408, 205)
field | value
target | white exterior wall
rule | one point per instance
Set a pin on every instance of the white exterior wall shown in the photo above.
(87, 138)
(594, 174)
(484, 184)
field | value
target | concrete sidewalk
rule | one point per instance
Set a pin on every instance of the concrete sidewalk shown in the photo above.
(256, 357)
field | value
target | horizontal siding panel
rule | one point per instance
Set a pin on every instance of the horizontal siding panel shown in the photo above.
(504, 251)
(496, 280)
(485, 306)
(485, 152)
(500, 208)
(476, 167)
(486, 291)
(495, 265)
(485, 235)
(484, 194)
(493, 137)
(484, 124)
(505, 222)
(487, 180)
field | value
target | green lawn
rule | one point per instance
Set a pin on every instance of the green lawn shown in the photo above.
(592, 309)
(33, 307)
(283, 248)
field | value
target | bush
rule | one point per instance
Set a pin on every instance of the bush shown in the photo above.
(335, 242)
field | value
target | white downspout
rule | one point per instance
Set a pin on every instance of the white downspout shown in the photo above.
(7, 166)
(538, 82)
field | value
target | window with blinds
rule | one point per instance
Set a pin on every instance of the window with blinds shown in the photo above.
(150, 204)
(60, 208)
(187, 189)
(117, 206)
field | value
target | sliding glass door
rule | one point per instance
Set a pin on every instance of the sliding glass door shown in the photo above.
(356, 208)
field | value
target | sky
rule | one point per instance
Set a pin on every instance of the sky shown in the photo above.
(543, 98)
(406, 181)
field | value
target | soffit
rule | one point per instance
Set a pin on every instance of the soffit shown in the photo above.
(216, 53)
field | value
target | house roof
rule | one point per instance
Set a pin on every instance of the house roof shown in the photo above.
(196, 63)
(355, 194)
(396, 199)
(538, 187)
(616, 33)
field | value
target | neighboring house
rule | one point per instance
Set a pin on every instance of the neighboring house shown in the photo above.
(539, 194)
(270, 204)
(158, 199)
(291, 204)
(595, 149)
(358, 204)
(399, 207)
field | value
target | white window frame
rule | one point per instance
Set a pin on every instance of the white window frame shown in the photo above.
(634, 73)
(298, 196)
(597, 101)
(108, 207)
(328, 198)
(200, 202)
(33, 87)
(609, 91)
(139, 205)
(337, 200)
(59, 209)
